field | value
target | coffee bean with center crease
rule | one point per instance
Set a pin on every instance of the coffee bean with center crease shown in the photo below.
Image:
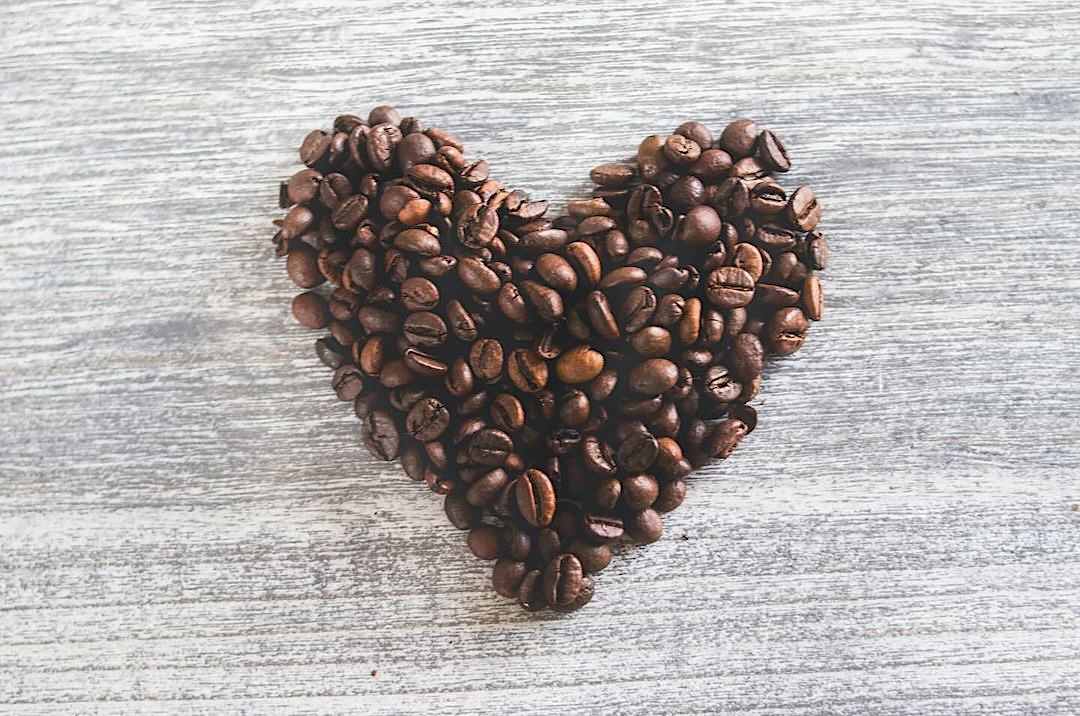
(601, 316)
(535, 497)
(729, 287)
(562, 579)
(803, 210)
(637, 452)
(427, 420)
(813, 298)
(507, 412)
(490, 447)
(747, 356)
(527, 370)
(424, 328)
(380, 434)
(419, 294)
(486, 359)
(787, 331)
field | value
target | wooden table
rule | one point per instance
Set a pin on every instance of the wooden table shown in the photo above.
(188, 522)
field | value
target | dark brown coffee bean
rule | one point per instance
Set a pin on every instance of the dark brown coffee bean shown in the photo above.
(423, 364)
(637, 452)
(651, 159)
(644, 526)
(768, 198)
(750, 171)
(556, 272)
(600, 315)
(477, 226)
(593, 557)
(770, 295)
(347, 382)
(485, 541)
(729, 287)
(653, 376)
(394, 199)
(638, 309)
(747, 356)
(720, 385)
(803, 210)
(490, 447)
(530, 594)
(725, 438)
(690, 325)
(303, 186)
(302, 267)
(487, 487)
(739, 137)
(461, 321)
(315, 149)
(672, 494)
(776, 238)
(603, 385)
(597, 456)
(574, 408)
(507, 577)
(732, 198)
(596, 225)
(817, 251)
(380, 434)
(579, 364)
(787, 331)
(772, 151)
(424, 328)
(331, 353)
(507, 412)
(813, 298)
(419, 294)
(396, 373)
(527, 370)
(543, 240)
(562, 579)
(640, 491)
(546, 301)
(669, 310)
(651, 342)
(686, 193)
(587, 260)
(310, 310)
(712, 164)
(478, 276)
(419, 241)
(427, 420)
(486, 359)
(681, 150)
(601, 528)
(580, 209)
(613, 174)
(535, 497)
(697, 132)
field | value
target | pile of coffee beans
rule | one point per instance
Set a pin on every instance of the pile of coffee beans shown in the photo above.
(556, 379)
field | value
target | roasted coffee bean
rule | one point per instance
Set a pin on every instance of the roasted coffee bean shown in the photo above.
(396, 373)
(725, 437)
(681, 150)
(613, 174)
(380, 434)
(651, 159)
(530, 594)
(427, 420)
(424, 328)
(651, 342)
(601, 316)
(776, 238)
(486, 488)
(637, 452)
(579, 364)
(640, 491)
(597, 456)
(418, 293)
(461, 321)
(803, 210)
(310, 310)
(507, 412)
(768, 198)
(459, 379)
(527, 370)
(770, 295)
(546, 301)
(732, 198)
(330, 352)
(507, 577)
(739, 137)
(623, 276)
(486, 359)
(747, 356)
(562, 579)
(512, 303)
(637, 309)
(653, 376)
(772, 151)
(720, 385)
(542, 240)
(596, 225)
(787, 331)
(672, 494)
(302, 267)
(347, 382)
(587, 260)
(601, 528)
(669, 309)
(556, 272)
(419, 241)
(817, 250)
(485, 541)
(535, 497)
(490, 447)
(574, 408)
(644, 526)
(690, 325)
(813, 298)
(729, 287)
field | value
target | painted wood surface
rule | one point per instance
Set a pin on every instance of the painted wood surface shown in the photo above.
(188, 523)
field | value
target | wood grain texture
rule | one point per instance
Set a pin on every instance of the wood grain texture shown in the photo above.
(188, 523)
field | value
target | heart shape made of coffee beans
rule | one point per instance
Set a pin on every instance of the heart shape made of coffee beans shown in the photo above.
(555, 379)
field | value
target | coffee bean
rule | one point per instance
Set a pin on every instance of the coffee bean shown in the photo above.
(644, 526)
(486, 359)
(310, 310)
(587, 260)
(613, 174)
(787, 331)
(485, 541)
(487, 487)
(302, 267)
(672, 494)
(747, 356)
(535, 497)
(562, 579)
(725, 437)
(813, 298)
(776, 238)
(424, 328)
(817, 250)
(637, 452)
(597, 456)
(720, 385)
(601, 528)
(527, 370)
(732, 198)
(419, 241)
(530, 594)
(380, 434)
(729, 287)
(427, 420)
(623, 276)
(772, 151)
(419, 294)
(803, 210)
(490, 447)
(600, 315)
(651, 158)
(681, 150)
(770, 295)
(739, 137)
(546, 301)
(507, 412)
(556, 272)
(669, 310)
(331, 353)
(651, 342)
(461, 321)
(507, 577)
(579, 364)
(640, 491)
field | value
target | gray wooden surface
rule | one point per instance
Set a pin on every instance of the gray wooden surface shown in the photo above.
(187, 521)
